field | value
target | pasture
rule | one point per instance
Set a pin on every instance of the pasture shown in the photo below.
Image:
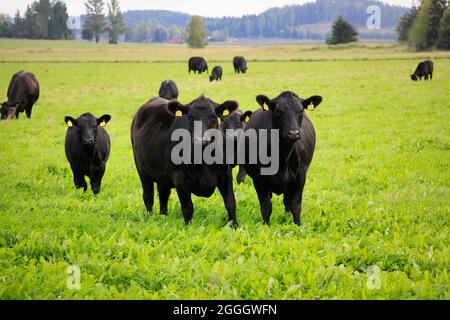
(377, 193)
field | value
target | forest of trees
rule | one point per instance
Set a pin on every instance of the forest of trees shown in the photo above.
(282, 22)
(427, 26)
(43, 19)
(293, 21)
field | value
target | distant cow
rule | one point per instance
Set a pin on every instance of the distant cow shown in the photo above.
(240, 65)
(216, 74)
(87, 149)
(23, 92)
(424, 69)
(198, 64)
(151, 136)
(168, 90)
(285, 113)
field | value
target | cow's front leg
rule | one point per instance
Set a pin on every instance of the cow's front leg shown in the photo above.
(297, 199)
(265, 200)
(97, 174)
(226, 190)
(186, 203)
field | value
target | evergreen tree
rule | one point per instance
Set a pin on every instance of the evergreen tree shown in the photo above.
(343, 32)
(6, 27)
(42, 11)
(425, 31)
(444, 31)
(117, 25)
(95, 20)
(57, 27)
(405, 24)
(196, 34)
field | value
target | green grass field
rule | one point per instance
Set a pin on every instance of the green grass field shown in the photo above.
(377, 193)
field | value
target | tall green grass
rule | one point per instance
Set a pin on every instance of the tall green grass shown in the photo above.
(377, 193)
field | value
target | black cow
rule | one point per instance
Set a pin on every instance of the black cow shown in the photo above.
(198, 64)
(23, 92)
(230, 124)
(240, 65)
(216, 74)
(424, 69)
(151, 133)
(168, 90)
(87, 149)
(296, 146)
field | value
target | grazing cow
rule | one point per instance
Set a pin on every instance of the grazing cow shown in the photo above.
(240, 65)
(23, 92)
(168, 90)
(230, 125)
(297, 139)
(216, 74)
(151, 137)
(424, 69)
(87, 149)
(198, 64)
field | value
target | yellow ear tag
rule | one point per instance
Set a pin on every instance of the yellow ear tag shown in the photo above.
(266, 107)
(69, 124)
(226, 113)
(103, 124)
(311, 107)
(219, 120)
(247, 119)
(178, 113)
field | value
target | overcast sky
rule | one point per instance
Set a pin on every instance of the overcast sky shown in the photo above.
(210, 8)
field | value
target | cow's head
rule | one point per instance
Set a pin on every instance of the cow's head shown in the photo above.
(287, 112)
(244, 69)
(413, 77)
(202, 110)
(8, 110)
(168, 90)
(230, 122)
(87, 126)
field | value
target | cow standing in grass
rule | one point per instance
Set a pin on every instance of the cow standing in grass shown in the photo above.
(23, 92)
(198, 64)
(240, 65)
(285, 113)
(424, 69)
(216, 74)
(87, 149)
(151, 137)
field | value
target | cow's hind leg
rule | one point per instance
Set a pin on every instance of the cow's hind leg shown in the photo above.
(148, 191)
(241, 175)
(28, 110)
(164, 194)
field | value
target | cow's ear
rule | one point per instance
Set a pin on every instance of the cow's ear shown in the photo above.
(312, 103)
(226, 108)
(177, 109)
(246, 117)
(103, 120)
(265, 103)
(70, 121)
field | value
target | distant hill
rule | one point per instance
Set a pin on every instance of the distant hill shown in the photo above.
(307, 21)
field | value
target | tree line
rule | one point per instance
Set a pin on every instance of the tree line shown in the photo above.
(43, 19)
(426, 26)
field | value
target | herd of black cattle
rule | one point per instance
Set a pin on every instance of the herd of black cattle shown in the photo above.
(88, 144)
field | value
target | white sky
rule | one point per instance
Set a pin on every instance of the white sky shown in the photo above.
(209, 8)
